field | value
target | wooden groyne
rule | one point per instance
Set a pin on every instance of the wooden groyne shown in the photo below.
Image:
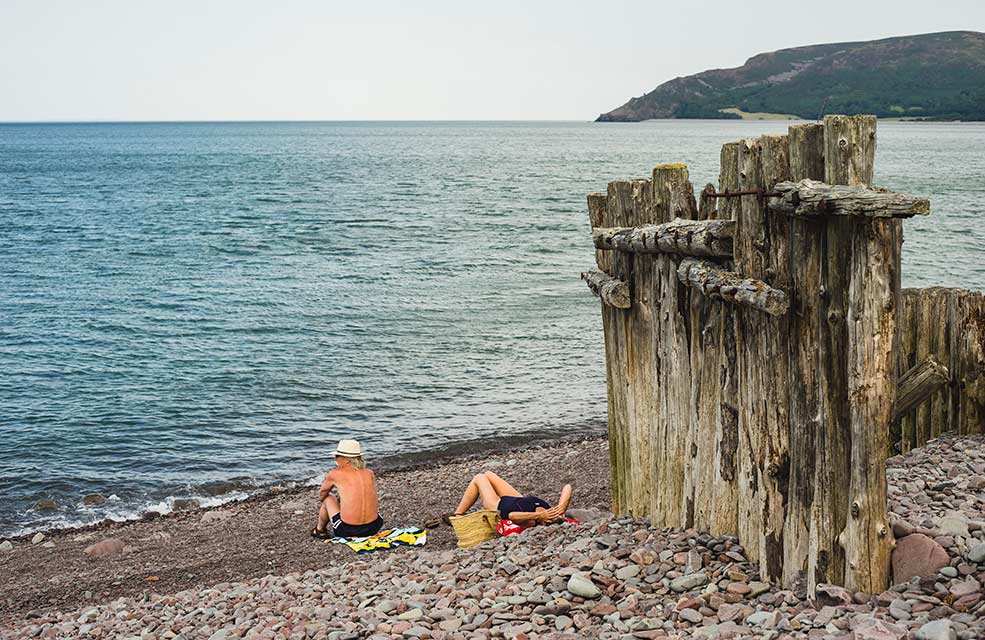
(946, 326)
(753, 356)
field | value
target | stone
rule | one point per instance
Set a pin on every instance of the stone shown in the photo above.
(45, 505)
(758, 588)
(728, 612)
(936, 630)
(411, 615)
(579, 584)
(965, 587)
(688, 582)
(691, 615)
(976, 553)
(104, 548)
(627, 572)
(38, 538)
(184, 504)
(6, 545)
(917, 555)
(829, 594)
(93, 500)
(953, 524)
(876, 629)
(950, 572)
(450, 625)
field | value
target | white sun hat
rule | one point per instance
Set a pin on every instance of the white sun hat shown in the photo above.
(348, 449)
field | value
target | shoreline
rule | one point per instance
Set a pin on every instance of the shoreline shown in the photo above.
(392, 462)
(241, 572)
(268, 533)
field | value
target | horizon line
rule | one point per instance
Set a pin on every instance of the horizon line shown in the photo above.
(299, 120)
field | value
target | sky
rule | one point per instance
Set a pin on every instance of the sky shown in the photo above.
(384, 60)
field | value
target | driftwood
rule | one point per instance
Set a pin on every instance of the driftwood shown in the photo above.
(813, 198)
(684, 237)
(612, 291)
(716, 282)
(918, 384)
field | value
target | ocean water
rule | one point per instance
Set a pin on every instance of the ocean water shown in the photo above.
(202, 309)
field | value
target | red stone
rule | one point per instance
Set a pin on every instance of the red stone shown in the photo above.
(917, 555)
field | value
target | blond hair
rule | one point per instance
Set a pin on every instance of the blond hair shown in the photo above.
(357, 462)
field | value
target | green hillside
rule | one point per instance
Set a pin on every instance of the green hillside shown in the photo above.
(936, 76)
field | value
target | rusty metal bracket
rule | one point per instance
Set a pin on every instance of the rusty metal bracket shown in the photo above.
(761, 194)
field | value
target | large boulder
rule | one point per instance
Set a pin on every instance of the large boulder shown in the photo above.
(917, 555)
(104, 549)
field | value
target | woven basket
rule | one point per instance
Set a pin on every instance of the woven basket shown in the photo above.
(473, 528)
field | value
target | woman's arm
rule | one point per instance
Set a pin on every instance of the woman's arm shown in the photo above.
(548, 515)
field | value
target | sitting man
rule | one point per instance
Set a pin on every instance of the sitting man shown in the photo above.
(354, 513)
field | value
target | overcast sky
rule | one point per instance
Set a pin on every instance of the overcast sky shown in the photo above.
(434, 60)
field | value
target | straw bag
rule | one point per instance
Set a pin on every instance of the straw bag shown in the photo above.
(473, 528)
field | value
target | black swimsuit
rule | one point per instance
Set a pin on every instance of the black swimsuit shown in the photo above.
(345, 530)
(528, 504)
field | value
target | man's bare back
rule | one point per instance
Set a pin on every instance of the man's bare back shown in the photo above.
(357, 493)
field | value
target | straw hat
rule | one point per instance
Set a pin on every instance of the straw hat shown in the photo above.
(348, 449)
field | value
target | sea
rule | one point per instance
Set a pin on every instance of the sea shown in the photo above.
(202, 310)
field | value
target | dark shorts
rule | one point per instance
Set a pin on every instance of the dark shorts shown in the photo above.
(509, 504)
(345, 530)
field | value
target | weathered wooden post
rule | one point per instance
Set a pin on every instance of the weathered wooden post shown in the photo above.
(869, 249)
(806, 144)
(762, 252)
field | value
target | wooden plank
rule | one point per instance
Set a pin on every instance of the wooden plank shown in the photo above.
(849, 153)
(683, 237)
(621, 204)
(673, 197)
(724, 511)
(642, 356)
(917, 384)
(611, 291)
(871, 329)
(714, 281)
(806, 237)
(762, 251)
(614, 331)
(705, 352)
(809, 198)
(969, 362)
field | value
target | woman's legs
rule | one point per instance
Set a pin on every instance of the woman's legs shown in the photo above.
(479, 487)
(502, 487)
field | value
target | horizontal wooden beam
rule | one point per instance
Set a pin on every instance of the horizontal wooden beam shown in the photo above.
(809, 198)
(684, 237)
(918, 384)
(714, 281)
(612, 291)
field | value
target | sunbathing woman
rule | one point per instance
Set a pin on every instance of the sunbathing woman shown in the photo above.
(498, 494)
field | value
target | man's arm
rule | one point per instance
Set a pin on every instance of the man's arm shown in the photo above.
(326, 487)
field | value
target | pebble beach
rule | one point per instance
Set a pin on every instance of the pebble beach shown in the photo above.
(606, 577)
